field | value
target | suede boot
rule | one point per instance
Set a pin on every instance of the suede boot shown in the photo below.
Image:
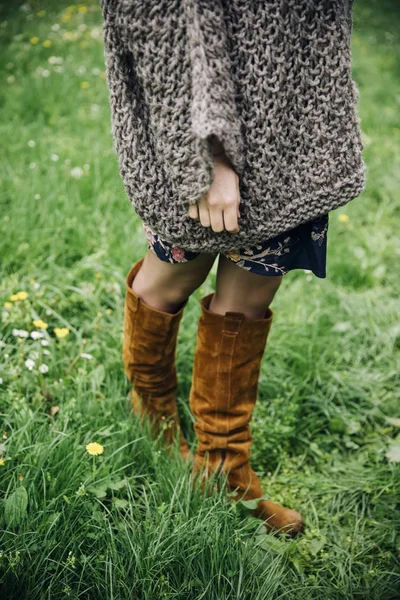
(149, 351)
(227, 361)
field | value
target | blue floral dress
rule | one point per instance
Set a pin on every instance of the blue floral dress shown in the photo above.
(303, 247)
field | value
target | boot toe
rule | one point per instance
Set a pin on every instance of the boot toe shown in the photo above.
(280, 518)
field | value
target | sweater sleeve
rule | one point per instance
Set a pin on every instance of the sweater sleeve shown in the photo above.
(213, 106)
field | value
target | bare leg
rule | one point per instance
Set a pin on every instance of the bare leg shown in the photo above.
(165, 286)
(239, 290)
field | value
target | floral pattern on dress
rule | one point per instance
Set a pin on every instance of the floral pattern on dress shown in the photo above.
(303, 247)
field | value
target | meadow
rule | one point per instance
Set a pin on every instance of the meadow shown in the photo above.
(129, 523)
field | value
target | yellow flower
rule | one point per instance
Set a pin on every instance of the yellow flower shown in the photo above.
(19, 296)
(65, 17)
(94, 448)
(84, 44)
(85, 85)
(109, 311)
(39, 324)
(47, 43)
(2, 462)
(7, 305)
(34, 40)
(343, 218)
(70, 36)
(99, 314)
(98, 275)
(61, 332)
(41, 13)
(20, 477)
(82, 9)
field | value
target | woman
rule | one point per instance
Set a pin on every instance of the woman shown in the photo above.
(236, 128)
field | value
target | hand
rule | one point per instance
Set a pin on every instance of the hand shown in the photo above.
(219, 209)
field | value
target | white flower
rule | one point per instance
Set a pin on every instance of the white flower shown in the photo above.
(45, 342)
(29, 363)
(96, 71)
(54, 157)
(20, 333)
(37, 196)
(31, 143)
(1, 380)
(34, 355)
(43, 368)
(46, 352)
(55, 60)
(32, 165)
(45, 73)
(86, 167)
(56, 27)
(10, 79)
(67, 161)
(36, 335)
(81, 70)
(76, 172)
(88, 356)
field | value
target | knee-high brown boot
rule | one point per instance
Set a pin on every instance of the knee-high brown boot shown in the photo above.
(149, 350)
(228, 354)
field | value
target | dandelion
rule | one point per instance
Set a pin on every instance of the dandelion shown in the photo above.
(37, 196)
(29, 363)
(45, 342)
(2, 462)
(82, 8)
(70, 36)
(7, 304)
(41, 13)
(56, 27)
(61, 332)
(47, 43)
(109, 311)
(343, 218)
(85, 85)
(31, 143)
(32, 165)
(36, 335)
(39, 324)
(19, 296)
(96, 71)
(20, 333)
(76, 172)
(34, 40)
(46, 352)
(85, 355)
(98, 275)
(45, 73)
(20, 477)
(55, 60)
(54, 157)
(43, 368)
(94, 449)
(10, 79)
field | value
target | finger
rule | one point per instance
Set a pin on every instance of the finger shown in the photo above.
(216, 218)
(204, 213)
(231, 219)
(193, 211)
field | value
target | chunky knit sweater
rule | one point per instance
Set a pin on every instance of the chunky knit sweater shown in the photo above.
(272, 79)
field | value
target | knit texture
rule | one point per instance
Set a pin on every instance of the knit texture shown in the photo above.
(271, 79)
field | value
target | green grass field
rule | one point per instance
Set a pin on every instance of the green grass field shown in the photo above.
(128, 524)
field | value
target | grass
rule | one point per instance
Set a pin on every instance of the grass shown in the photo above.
(129, 523)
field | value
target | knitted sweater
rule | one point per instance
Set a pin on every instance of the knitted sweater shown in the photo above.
(272, 79)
